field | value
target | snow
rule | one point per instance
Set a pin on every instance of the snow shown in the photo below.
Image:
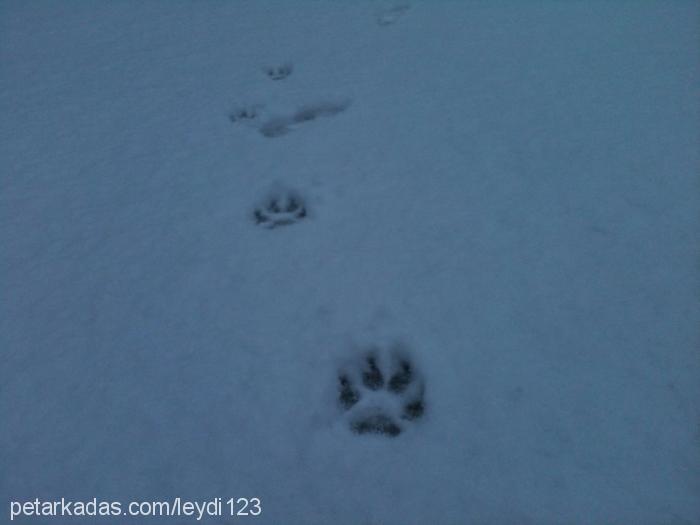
(510, 189)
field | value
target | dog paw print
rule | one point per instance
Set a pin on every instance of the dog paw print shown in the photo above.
(382, 393)
(246, 114)
(282, 208)
(279, 72)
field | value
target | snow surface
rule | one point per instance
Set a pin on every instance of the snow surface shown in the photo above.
(510, 188)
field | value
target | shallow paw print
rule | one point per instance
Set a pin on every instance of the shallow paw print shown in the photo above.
(381, 393)
(246, 114)
(279, 72)
(280, 209)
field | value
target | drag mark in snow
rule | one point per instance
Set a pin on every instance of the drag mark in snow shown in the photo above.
(278, 126)
(389, 16)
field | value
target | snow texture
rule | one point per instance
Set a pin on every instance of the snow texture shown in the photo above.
(509, 189)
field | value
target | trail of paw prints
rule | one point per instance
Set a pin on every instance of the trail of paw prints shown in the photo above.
(390, 15)
(280, 208)
(381, 393)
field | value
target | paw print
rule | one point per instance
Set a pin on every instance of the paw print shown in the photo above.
(280, 209)
(381, 393)
(246, 114)
(279, 72)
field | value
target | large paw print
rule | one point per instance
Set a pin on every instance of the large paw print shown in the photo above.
(281, 208)
(381, 393)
